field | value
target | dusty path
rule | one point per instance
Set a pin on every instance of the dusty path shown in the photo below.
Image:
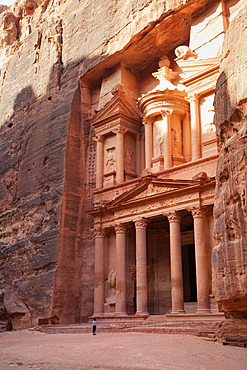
(113, 351)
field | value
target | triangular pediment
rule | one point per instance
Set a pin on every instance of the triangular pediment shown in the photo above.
(148, 188)
(117, 107)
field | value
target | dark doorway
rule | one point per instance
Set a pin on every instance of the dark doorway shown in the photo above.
(189, 273)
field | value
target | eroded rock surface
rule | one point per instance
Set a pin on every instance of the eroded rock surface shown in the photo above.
(230, 253)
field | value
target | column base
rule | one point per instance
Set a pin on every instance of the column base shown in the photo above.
(203, 311)
(97, 315)
(178, 312)
(141, 314)
(118, 314)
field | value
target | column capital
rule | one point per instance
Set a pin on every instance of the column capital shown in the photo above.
(120, 229)
(197, 211)
(139, 136)
(166, 112)
(98, 138)
(99, 232)
(192, 98)
(173, 216)
(141, 223)
(120, 130)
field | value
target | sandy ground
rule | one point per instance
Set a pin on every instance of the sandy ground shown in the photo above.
(116, 351)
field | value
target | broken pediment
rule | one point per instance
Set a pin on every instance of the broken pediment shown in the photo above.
(117, 110)
(150, 187)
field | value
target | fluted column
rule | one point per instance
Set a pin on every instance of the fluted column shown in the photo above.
(176, 263)
(99, 161)
(202, 275)
(141, 267)
(120, 269)
(186, 138)
(148, 142)
(195, 127)
(120, 131)
(166, 115)
(99, 284)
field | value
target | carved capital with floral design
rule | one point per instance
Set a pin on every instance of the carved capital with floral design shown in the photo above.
(198, 211)
(99, 232)
(120, 229)
(173, 216)
(166, 112)
(141, 223)
(120, 130)
(98, 138)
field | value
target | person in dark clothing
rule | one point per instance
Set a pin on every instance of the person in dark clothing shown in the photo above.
(94, 326)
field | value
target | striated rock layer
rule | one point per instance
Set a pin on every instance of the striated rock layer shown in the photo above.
(229, 260)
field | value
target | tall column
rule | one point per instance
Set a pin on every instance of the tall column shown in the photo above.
(186, 138)
(99, 161)
(202, 267)
(166, 114)
(120, 269)
(120, 131)
(99, 284)
(154, 283)
(176, 263)
(148, 142)
(141, 267)
(195, 126)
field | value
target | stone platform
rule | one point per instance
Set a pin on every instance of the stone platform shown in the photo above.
(199, 325)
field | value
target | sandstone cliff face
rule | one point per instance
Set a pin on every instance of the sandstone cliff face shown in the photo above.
(50, 53)
(230, 254)
(47, 151)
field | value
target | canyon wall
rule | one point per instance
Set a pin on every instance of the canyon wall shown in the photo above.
(51, 53)
(47, 151)
(229, 260)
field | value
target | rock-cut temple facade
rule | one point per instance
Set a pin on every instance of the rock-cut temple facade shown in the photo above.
(123, 131)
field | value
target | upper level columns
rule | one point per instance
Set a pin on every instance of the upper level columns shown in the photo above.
(141, 267)
(99, 282)
(99, 161)
(202, 272)
(120, 269)
(166, 115)
(120, 131)
(195, 127)
(148, 142)
(176, 263)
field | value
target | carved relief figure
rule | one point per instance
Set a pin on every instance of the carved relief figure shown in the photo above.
(184, 52)
(111, 282)
(159, 144)
(110, 159)
(177, 144)
(129, 159)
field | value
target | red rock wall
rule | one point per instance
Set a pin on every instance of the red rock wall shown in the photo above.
(47, 152)
(230, 254)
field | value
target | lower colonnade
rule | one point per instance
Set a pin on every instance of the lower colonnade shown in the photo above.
(141, 230)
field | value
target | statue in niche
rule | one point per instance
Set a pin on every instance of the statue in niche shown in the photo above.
(159, 144)
(110, 159)
(111, 282)
(177, 144)
(128, 159)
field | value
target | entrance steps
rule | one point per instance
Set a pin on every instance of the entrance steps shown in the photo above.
(201, 325)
